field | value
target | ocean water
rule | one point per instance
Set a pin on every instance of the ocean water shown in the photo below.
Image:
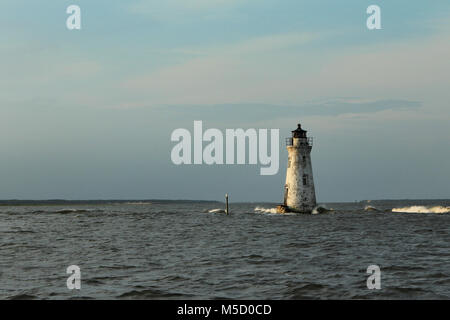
(188, 250)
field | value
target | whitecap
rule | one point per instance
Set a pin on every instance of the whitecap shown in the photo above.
(370, 208)
(423, 209)
(265, 210)
(216, 211)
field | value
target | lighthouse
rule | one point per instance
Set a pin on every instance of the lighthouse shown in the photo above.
(299, 192)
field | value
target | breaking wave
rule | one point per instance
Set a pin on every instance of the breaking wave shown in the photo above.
(216, 211)
(423, 209)
(370, 208)
(265, 210)
(321, 209)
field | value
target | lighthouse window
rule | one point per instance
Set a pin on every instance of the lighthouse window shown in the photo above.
(289, 162)
(305, 179)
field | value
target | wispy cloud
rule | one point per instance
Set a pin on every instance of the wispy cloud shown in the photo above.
(283, 69)
(226, 73)
(264, 112)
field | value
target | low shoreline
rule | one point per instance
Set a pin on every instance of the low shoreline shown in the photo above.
(57, 202)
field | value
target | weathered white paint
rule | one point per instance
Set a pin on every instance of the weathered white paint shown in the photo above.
(300, 195)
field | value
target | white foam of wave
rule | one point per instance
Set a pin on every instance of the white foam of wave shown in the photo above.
(423, 209)
(265, 210)
(370, 208)
(216, 211)
(316, 210)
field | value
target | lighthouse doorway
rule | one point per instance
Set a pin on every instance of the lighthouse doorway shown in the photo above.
(286, 190)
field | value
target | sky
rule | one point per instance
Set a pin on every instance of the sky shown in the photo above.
(88, 114)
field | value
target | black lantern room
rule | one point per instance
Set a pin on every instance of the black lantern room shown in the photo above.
(299, 132)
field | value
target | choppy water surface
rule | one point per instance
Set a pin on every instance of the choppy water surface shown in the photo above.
(182, 251)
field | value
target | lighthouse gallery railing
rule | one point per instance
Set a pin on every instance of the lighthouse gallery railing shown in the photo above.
(308, 141)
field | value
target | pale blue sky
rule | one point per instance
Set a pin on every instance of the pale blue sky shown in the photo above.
(88, 114)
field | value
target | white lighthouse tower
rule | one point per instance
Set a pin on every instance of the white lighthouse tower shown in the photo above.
(299, 192)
